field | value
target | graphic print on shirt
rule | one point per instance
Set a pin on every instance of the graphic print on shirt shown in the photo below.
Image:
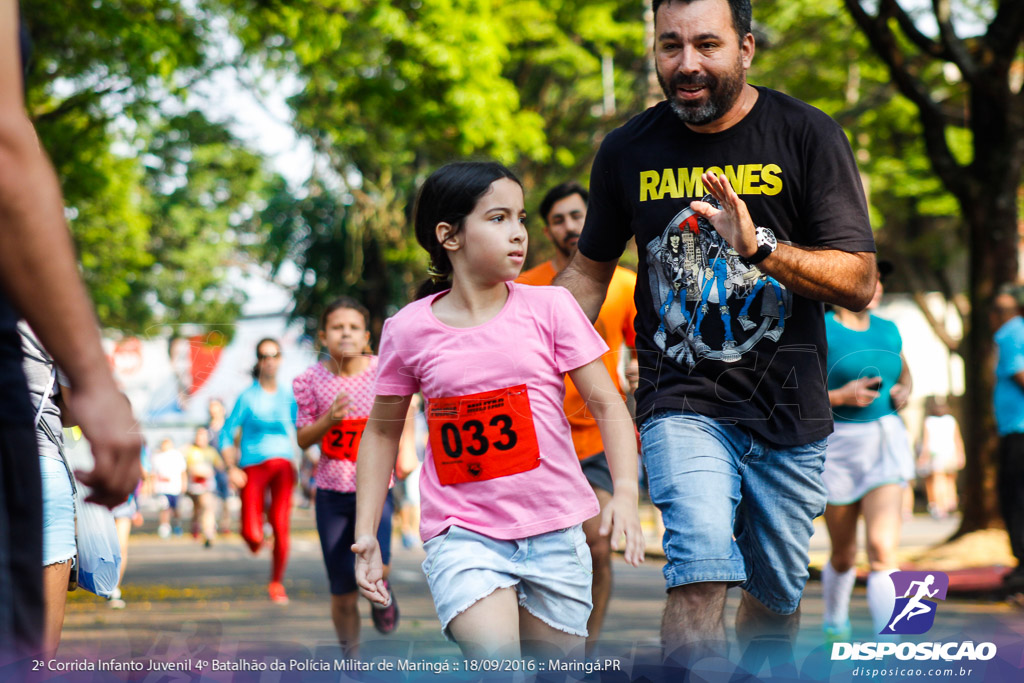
(710, 303)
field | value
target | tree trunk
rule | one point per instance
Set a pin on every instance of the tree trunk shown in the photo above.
(989, 207)
(990, 266)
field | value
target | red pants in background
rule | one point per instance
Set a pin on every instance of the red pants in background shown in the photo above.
(278, 476)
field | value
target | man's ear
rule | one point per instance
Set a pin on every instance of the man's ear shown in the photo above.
(447, 236)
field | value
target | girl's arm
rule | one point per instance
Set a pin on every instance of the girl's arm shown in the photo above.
(230, 440)
(605, 403)
(407, 460)
(378, 450)
(312, 433)
(900, 392)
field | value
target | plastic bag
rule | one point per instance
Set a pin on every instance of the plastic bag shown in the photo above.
(99, 555)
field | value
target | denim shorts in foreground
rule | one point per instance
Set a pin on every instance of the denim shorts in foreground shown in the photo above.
(552, 574)
(736, 508)
(58, 511)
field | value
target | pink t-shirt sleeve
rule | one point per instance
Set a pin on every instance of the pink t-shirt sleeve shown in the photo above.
(576, 342)
(394, 376)
(305, 398)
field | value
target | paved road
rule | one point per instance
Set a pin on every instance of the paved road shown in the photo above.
(186, 601)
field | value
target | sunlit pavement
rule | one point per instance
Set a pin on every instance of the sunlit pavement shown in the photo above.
(184, 601)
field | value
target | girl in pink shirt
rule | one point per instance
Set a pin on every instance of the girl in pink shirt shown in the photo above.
(502, 494)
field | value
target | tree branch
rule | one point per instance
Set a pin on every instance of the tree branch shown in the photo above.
(954, 46)
(77, 100)
(937, 327)
(1007, 28)
(934, 123)
(891, 8)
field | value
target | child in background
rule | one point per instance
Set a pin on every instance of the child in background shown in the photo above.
(334, 398)
(942, 456)
(168, 474)
(502, 493)
(202, 460)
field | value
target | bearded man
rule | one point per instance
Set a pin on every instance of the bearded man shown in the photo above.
(734, 444)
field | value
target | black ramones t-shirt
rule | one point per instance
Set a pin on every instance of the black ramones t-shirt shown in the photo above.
(715, 336)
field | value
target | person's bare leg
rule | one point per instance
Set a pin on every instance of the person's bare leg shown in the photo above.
(345, 615)
(753, 619)
(490, 627)
(693, 627)
(766, 636)
(207, 523)
(882, 521)
(601, 555)
(952, 500)
(931, 489)
(841, 522)
(124, 531)
(55, 595)
(543, 642)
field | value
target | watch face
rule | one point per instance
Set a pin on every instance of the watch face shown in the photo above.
(766, 237)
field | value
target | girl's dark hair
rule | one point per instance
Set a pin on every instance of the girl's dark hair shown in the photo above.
(261, 342)
(448, 196)
(344, 302)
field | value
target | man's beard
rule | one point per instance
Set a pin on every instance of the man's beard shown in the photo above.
(564, 248)
(721, 95)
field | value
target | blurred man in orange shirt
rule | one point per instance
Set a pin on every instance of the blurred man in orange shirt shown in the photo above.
(564, 209)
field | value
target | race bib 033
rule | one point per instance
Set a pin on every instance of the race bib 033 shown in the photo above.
(482, 436)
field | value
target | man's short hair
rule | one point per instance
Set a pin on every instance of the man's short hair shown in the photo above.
(1014, 291)
(742, 15)
(558, 193)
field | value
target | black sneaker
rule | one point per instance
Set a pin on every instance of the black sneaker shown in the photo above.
(385, 619)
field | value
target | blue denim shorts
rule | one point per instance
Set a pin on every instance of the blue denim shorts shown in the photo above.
(58, 512)
(552, 574)
(736, 508)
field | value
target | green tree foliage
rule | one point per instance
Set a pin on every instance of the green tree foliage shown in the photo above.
(154, 200)
(813, 51)
(203, 188)
(392, 90)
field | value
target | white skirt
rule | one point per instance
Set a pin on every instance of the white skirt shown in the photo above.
(862, 456)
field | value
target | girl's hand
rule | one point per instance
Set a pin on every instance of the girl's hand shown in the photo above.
(859, 392)
(370, 570)
(900, 394)
(620, 516)
(339, 408)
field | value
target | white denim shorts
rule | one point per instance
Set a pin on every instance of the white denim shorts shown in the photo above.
(552, 574)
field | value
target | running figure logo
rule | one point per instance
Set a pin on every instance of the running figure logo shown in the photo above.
(704, 293)
(913, 613)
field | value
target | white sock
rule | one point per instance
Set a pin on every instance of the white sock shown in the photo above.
(881, 598)
(837, 588)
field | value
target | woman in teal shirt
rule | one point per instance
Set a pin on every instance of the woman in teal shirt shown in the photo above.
(868, 460)
(257, 444)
